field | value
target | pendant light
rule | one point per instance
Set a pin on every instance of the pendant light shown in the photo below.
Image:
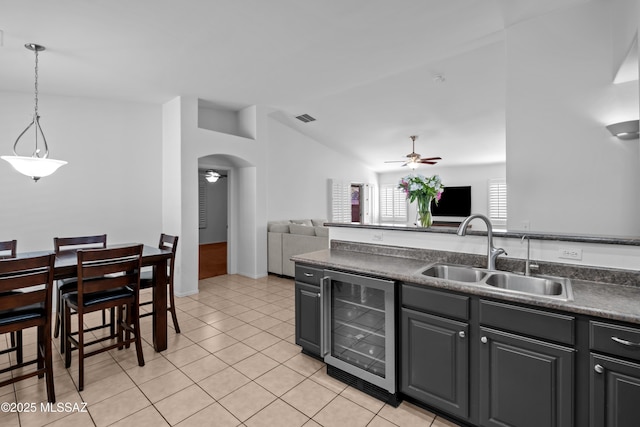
(38, 164)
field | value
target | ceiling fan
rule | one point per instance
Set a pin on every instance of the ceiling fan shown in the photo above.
(414, 158)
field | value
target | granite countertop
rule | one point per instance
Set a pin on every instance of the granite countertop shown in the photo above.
(605, 300)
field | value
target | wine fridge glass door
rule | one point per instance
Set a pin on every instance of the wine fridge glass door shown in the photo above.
(359, 322)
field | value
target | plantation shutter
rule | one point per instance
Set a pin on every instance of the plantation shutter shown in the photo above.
(202, 201)
(393, 204)
(340, 201)
(498, 202)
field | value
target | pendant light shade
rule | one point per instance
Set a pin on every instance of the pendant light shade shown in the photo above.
(38, 164)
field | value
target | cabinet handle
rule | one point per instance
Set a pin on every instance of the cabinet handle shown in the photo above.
(308, 274)
(599, 369)
(461, 334)
(484, 340)
(625, 342)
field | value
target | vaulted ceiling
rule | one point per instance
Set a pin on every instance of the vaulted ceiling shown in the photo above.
(372, 72)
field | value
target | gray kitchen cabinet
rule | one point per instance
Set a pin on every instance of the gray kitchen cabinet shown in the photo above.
(614, 398)
(526, 366)
(524, 382)
(435, 361)
(307, 307)
(434, 351)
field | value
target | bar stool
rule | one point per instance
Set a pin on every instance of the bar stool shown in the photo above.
(146, 278)
(70, 284)
(107, 279)
(25, 297)
(8, 249)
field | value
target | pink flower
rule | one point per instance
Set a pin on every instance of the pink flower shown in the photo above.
(438, 196)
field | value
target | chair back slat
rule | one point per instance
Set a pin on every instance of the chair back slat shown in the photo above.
(105, 269)
(23, 299)
(12, 281)
(61, 243)
(8, 249)
(30, 278)
(169, 242)
(109, 282)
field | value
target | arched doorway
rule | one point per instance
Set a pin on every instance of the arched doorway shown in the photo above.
(225, 201)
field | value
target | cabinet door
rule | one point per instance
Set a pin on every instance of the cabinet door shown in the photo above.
(615, 393)
(524, 382)
(435, 361)
(308, 318)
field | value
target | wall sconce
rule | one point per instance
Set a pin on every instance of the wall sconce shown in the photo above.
(625, 130)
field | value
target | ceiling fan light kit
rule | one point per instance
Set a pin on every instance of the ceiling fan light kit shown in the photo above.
(414, 158)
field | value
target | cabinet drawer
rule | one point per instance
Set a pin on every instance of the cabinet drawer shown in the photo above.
(310, 275)
(436, 302)
(614, 339)
(541, 324)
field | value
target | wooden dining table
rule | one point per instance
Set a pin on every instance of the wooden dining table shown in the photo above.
(66, 266)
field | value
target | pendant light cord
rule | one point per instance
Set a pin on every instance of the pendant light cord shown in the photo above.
(35, 113)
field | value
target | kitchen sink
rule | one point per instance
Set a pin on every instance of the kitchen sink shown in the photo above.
(545, 286)
(458, 273)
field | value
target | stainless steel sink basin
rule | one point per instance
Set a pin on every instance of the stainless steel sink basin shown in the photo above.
(544, 286)
(554, 287)
(458, 273)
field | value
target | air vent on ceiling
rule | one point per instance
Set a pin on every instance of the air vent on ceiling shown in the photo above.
(305, 118)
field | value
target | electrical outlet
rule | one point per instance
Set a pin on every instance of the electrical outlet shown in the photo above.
(570, 253)
(377, 236)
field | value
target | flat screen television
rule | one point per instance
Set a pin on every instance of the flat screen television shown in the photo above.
(455, 201)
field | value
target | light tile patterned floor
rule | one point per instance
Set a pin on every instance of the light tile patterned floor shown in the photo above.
(235, 363)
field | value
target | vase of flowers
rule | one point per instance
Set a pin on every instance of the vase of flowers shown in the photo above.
(424, 190)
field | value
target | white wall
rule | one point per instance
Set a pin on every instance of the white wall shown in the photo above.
(565, 172)
(610, 256)
(110, 185)
(299, 169)
(476, 176)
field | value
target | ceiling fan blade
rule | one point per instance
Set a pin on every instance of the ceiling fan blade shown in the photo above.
(432, 158)
(426, 162)
(395, 161)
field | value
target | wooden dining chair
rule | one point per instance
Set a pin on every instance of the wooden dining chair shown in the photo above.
(8, 249)
(107, 278)
(25, 302)
(70, 284)
(147, 279)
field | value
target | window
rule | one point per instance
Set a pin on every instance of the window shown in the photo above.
(498, 202)
(393, 204)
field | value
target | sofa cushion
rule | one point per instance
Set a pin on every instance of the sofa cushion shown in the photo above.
(318, 222)
(301, 229)
(302, 222)
(279, 228)
(321, 231)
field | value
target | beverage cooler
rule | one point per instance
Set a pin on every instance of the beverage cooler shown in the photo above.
(358, 332)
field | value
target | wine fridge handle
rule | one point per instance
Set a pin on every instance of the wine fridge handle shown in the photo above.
(323, 317)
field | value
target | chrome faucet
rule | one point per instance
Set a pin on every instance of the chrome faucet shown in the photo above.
(528, 266)
(492, 251)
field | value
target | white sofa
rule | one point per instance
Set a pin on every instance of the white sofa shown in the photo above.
(293, 237)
